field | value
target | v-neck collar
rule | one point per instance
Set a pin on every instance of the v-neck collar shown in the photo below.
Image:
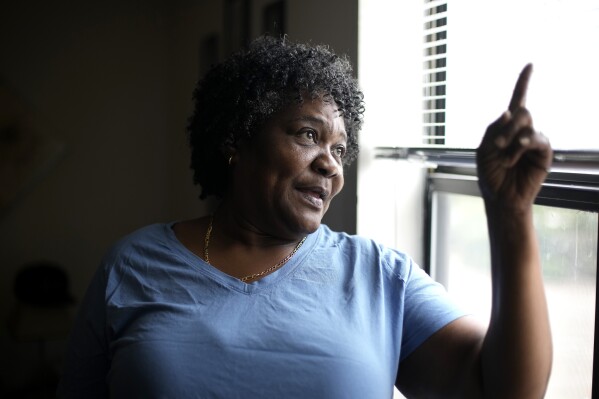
(222, 278)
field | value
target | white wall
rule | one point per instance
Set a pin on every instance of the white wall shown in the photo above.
(391, 193)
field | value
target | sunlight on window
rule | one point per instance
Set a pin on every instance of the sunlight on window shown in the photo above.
(485, 45)
(486, 53)
(480, 48)
(568, 240)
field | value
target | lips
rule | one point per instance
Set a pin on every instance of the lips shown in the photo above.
(314, 194)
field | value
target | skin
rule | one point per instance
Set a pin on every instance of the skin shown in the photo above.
(512, 358)
(282, 183)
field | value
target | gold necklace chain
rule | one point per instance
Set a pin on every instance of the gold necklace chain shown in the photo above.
(255, 275)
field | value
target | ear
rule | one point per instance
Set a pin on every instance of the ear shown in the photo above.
(230, 154)
(232, 151)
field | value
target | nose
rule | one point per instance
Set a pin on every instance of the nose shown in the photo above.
(326, 165)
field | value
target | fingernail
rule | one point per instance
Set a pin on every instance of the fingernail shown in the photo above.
(500, 142)
(524, 141)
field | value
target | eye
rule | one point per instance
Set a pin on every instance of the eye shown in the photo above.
(339, 151)
(308, 135)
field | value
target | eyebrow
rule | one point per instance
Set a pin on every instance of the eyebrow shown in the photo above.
(315, 119)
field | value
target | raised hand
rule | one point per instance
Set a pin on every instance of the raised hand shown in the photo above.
(513, 158)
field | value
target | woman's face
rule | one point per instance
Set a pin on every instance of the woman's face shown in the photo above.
(285, 177)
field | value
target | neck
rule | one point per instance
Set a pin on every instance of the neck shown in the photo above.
(249, 231)
(247, 262)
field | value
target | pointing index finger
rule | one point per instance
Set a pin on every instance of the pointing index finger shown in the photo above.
(519, 96)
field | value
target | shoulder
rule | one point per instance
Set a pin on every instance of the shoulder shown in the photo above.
(143, 239)
(365, 251)
(137, 249)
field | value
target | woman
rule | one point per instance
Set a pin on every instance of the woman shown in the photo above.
(260, 300)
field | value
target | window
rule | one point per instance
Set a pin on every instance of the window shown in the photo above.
(435, 74)
(434, 82)
(567, 223)
(445, 69)
(569, 244)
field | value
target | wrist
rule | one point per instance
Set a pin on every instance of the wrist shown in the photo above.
(501, 209)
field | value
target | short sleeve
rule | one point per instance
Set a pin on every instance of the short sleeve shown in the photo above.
(427, 308)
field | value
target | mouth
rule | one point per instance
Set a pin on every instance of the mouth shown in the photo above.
(315, 195)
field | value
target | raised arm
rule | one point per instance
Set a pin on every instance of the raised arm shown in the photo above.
(512, 358)
(512, 163)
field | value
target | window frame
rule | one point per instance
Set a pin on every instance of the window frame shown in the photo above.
(572, 183)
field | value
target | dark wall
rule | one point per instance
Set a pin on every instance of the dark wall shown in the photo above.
(104, 88)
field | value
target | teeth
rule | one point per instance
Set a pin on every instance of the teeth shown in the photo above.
(315, 193)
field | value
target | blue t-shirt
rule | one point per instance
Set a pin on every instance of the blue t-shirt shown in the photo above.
(333, 322)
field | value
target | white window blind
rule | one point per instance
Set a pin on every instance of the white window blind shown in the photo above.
(434, 72)
(438, 72)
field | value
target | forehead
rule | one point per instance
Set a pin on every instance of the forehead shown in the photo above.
(318, 111)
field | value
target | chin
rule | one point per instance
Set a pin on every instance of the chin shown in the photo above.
(310, 225)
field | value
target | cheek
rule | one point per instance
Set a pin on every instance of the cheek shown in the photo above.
(338, 185)
(336, 189)
(293, 163)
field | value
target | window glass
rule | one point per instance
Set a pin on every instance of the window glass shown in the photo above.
(568, 243)
(438, 72)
